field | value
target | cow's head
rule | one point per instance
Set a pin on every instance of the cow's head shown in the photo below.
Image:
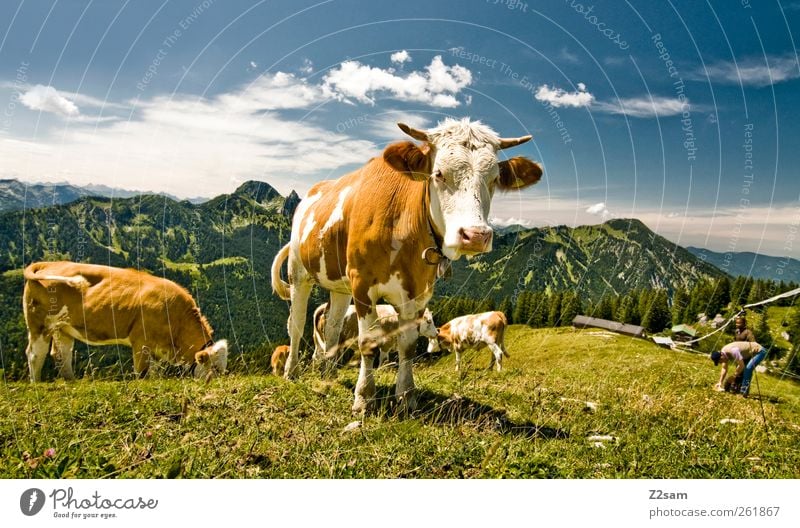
(426, 326)
(212, 361)
(460, 159)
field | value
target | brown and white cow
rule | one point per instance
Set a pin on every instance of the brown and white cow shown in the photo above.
(474, 331)
(278, 360)
(386, 332)
(378, 232)
(101, 305)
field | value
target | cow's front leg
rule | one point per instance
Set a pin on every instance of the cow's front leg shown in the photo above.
(36, 353)
(141, 359)
(497, 357)
(367, 343)
(408, 332)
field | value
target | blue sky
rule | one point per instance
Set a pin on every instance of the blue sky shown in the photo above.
(681, 113)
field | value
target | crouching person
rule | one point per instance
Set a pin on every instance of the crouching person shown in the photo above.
(746, 354)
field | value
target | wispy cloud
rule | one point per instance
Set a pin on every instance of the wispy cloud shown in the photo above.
(645, 106)
(753, 71)
(47, 99)
(438, 85)
(559, 97)
(566, 55)
(384, 125)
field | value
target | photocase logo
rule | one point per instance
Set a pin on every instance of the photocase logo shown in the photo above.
(31, 501)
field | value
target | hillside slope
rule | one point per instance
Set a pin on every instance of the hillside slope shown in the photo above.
(614, 257)
(570, 404)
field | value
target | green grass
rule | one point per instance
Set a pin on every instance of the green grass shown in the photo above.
(530, 421)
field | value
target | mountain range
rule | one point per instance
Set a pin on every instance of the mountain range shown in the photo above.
(749, 264)
(16, 195)
(222, 250)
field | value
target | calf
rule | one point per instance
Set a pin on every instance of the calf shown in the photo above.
(385, 333)
(101, 305)
(279, 359)
(474, 331)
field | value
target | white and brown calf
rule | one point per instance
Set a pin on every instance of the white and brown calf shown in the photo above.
(385, 333)
(475, 331)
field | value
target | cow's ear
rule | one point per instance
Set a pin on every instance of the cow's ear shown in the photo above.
(518, 173)
(202, 357)
(408, 158)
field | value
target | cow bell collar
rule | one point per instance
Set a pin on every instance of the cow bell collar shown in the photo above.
(433, 255)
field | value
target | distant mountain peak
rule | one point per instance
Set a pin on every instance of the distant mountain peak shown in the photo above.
(259, 191)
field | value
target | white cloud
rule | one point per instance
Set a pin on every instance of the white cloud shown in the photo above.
(384, 125)
(437, 86)
(307, 67)
(189, 145)
(752, 71)
(646, 106)
(400, 57)
(559, 97)
(48, 99)
(505, 222)
(600, 209)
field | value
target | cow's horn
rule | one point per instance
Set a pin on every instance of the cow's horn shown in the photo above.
(413, 132)
(513, 142)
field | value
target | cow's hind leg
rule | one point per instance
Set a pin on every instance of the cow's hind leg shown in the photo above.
(61, 350)
(300, 291)
(497, 356)
(337, 308)
(36, 353)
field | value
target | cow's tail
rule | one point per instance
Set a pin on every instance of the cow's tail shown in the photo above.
(501, 333)
(280, 286)
(78, 282)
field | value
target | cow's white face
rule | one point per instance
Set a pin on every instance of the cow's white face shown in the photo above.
(460, 158)
(426, 326)
(212, 361)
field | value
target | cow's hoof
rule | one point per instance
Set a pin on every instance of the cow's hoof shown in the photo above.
(362, 405)
(407, 403)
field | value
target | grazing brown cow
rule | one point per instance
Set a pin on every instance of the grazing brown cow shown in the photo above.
(386, 333)
(101, 305)
(386, 230)
(279, 359)
(476, 331)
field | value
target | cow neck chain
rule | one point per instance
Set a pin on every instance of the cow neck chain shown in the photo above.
(442, 263)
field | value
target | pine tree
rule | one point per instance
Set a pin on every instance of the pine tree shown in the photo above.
(657, 317)
(720, 297)
(570, 307)
(762, 333)
(505, 307)
(518, 313)
(680, 301)
(554, 314)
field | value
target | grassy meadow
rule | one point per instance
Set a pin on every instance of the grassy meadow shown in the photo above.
(570, 404)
